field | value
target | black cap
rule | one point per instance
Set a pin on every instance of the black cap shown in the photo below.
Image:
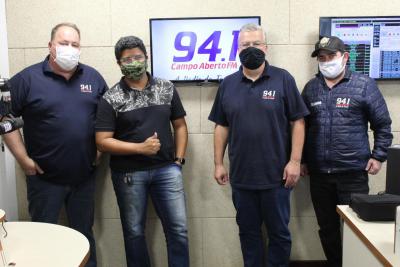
(332, 44)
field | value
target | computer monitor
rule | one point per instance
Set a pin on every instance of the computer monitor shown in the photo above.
(373, 43)
(196, 49)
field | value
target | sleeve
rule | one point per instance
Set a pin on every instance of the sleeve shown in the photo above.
(217, 113)
(98, 79)
(177, 110)
(306, 100)
(19, 91)
(103, 85)
(380, 121)
(306, 120)
(294, 103)
(105, 117)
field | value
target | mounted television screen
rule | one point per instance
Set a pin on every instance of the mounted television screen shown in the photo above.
(373, 43)
(196, 49)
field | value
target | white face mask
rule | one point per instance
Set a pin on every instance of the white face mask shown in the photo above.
(332, 69)
(67, 57)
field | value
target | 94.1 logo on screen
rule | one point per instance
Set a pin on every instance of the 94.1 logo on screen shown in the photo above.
(187, 42)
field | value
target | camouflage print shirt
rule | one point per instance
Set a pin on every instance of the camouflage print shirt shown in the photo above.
(135, 115)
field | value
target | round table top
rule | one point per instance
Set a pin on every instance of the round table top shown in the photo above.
(32, 244)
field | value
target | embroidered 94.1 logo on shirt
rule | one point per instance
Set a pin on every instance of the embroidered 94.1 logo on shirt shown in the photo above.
(268, 94)
(343, 102)
(86, 88)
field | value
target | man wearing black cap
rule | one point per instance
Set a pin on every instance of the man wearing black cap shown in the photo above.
(337, 154)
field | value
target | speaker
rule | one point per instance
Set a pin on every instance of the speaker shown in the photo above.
(393, 170)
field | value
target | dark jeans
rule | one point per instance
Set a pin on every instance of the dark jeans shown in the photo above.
(46, 200)
(165, 186)
(327, 191)
(272, 207)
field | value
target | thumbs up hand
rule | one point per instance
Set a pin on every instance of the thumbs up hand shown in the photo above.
(151, 146)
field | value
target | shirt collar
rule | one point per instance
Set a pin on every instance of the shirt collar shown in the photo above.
(47, 69)
(265, 74)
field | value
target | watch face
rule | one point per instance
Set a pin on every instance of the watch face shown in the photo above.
(180, 160)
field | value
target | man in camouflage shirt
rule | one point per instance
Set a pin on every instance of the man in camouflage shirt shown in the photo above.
(133, 124)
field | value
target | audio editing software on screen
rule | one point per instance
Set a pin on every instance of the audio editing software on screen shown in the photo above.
(373, 43)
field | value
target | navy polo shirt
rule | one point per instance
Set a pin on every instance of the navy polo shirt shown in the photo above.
(258, 115)
(59, 117)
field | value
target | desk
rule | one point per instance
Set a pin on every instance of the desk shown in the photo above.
(31, 244)
(367, 244)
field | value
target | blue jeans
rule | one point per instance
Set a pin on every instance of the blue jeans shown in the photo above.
(46, 200)
(165, 186)
(255, 207)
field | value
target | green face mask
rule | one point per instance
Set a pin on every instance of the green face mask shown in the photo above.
(134, 70)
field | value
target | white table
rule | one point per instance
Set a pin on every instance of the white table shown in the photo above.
(367, 244)
(30, 244)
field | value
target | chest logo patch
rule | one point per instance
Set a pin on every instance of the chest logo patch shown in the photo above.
(269, 94)
(86, 88)
(313, 104)
(343, 102)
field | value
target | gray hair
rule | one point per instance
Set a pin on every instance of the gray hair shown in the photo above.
(251, 27)
(64, 24)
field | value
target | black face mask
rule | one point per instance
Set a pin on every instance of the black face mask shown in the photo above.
(252, 58)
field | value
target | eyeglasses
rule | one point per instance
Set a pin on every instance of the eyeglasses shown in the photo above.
(128, 60)
(254, 44)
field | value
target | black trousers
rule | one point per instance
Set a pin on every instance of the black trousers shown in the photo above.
(46, 200)
(327, 191)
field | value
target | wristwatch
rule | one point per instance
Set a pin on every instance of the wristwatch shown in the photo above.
(180, 160)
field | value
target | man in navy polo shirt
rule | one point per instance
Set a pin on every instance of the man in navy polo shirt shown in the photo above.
(57, 100)
(259, 112)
